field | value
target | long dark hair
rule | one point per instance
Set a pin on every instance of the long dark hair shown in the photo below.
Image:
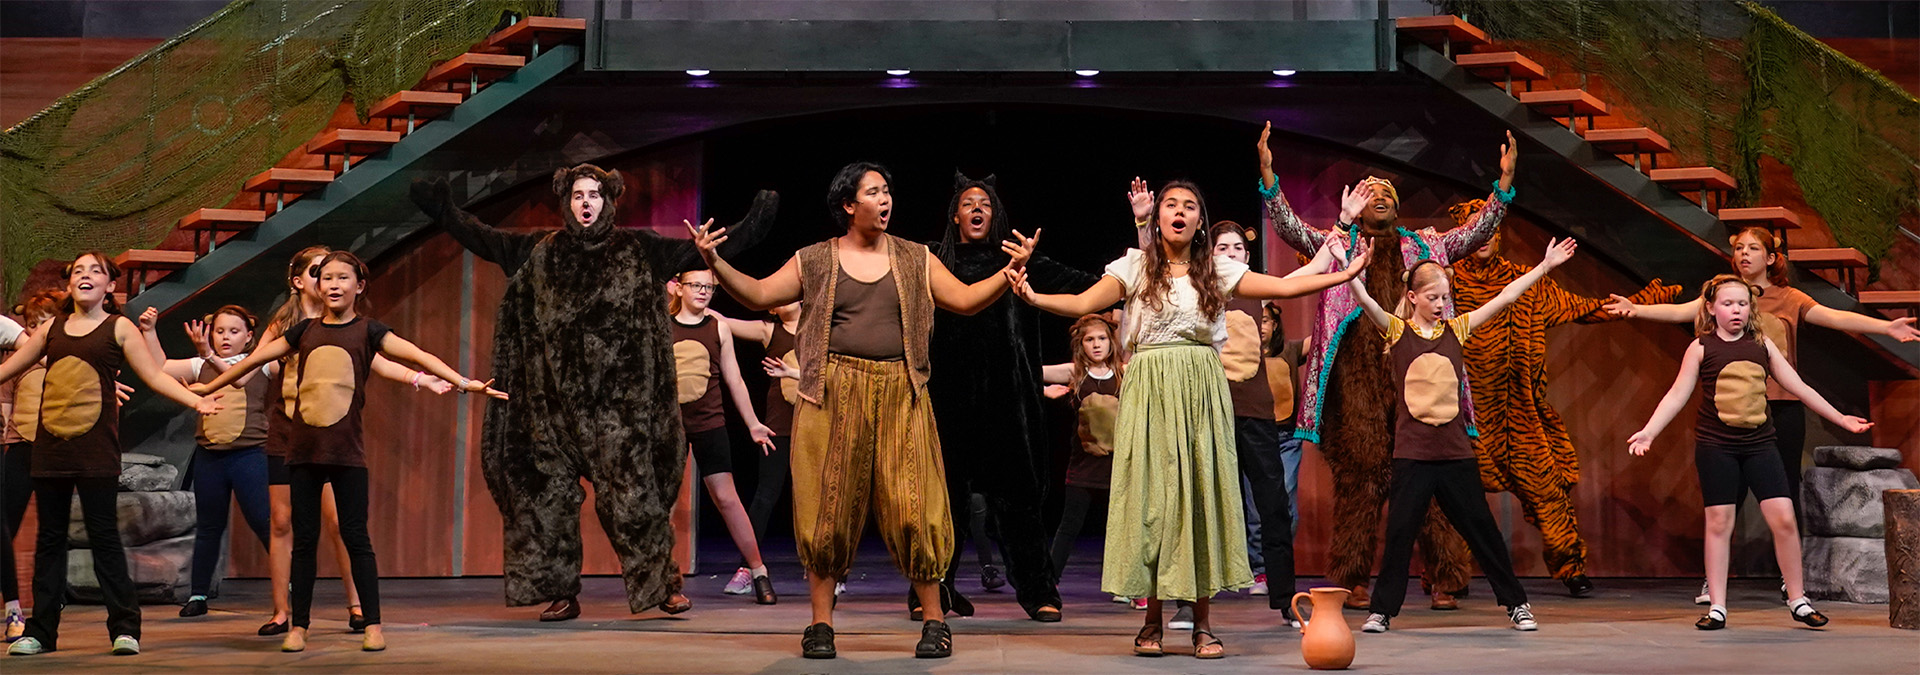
(1276, 339)
(109, 303)
(1155, 278)
(998, 229)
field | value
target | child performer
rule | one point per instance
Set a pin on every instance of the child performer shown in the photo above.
(703, 358)
(783, 389)
(76, 448)
(22, 403)
(1433, 458)
(1092, 384)
(335, 356)
(1734, 451)
(1175, 529)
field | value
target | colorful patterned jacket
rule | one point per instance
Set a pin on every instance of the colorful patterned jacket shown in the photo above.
(1338, 308)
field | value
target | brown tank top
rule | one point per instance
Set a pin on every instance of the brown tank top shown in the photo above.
(1097, 403)
(330, 383)
(1430, 421)
(26, 404)
(1733, 392)
(79, 431)
(866, 319)
(242, 420)
(696, 364)
(1246, 370)
(782, 392)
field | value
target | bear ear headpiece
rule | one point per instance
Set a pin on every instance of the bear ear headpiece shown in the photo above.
(611, 186)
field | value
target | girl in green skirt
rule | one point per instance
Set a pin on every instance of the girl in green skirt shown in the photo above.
(1174, 527)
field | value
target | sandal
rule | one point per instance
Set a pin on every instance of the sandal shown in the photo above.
(1147, 643)
(936, 641)
(1208, 650)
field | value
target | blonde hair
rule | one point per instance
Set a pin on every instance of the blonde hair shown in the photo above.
(1704, 322)
(673, 299)
(1414, 280)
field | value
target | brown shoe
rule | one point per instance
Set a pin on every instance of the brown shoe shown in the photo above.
(676, 604)
(1359, 599)
(1444, 602)
(564, 609)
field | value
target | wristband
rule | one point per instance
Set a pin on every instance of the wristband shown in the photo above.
(1269, 193)
(416, 380)
(1506, 196)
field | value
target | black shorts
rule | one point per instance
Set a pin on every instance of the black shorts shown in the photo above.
(277, 470)
(1726, 472)
(712, 451)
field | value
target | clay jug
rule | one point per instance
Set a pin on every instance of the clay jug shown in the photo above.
(1327, 640)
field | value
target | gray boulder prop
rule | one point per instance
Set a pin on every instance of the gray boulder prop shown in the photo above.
(1856, 457)
(1843, 515)
(142, 478)
(160, 572)
(1846, 502)
(1848, 569)
(144, 517)
(156, 529)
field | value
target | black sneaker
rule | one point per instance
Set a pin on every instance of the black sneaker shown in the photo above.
(1579, 586)
(990, 578)
(817, 642)
(763, 592)
(936, 641)
(1522, 616)
(193, 608)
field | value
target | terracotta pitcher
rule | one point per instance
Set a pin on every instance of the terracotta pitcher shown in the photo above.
(1327, 643)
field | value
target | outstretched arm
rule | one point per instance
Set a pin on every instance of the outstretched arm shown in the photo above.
(134, 344)
(1102, 295)
(1670, 405)
(1257, 286)
(1627, 308)
(270, 351)
(754, 331)
(1901, 329)
(779, 288)
(399, 348)
(509, 250)
(1059, 373)
(1577, 308)
(1558, 251)
(672, 256)
(27, 351)
(1322, 261)
(1301, 236)
(1789, 380)
(1458, 242)
(961, 298)
(1372, 309)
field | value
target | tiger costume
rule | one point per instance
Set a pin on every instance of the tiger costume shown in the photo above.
(1523, 446)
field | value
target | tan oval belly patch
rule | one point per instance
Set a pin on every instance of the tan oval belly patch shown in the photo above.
(691, 367)
(789, 387)
(326, 386)
(1772, 327)
(1241, 355)
(1097, 415)
(1740, 395)
(290, 385)
(70, 405)
(1432, 389)
(225, 426)
(26, 403)
(1280, 382)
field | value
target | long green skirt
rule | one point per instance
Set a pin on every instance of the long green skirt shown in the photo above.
(1174, 525)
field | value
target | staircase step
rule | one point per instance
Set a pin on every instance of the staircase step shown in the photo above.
(1499, 66)
(541, 30)
(352, 141)
(223, 220)
(1908, 300)
(1635, 140)
(1564, 103)
(1770, 217)
(1436, 30)
(423, 104)
(279, 179)
(486, 66)
(1693, 178)
(153, 259)
(1828, 258)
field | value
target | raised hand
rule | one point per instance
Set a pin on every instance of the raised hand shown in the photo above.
(1620, 306)
(1856, 425)
(1353, 200)
(1559, 251)
(1020, 249)
(1509, 156)
(707, 240)
(1141, 199)
(1639, 443)
(1902, 329)
(197, 333)
(778, 368)
(148, 319)
(1266, 153)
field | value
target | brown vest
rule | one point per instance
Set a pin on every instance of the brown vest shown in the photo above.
(1431, 374)
(242, 420)
(1733, 392)
(781, 391)
(696, 362)
(820, 269)
(79, 432)
(331, 387)
(1243, 359)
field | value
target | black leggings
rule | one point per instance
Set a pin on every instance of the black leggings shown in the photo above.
(350, 499)
(99, 510)
(1455, 484)
(770, 484)
(1077, 502)
(1790, 437)
(16, 487)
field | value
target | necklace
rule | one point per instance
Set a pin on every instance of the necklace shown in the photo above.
(1181, 263)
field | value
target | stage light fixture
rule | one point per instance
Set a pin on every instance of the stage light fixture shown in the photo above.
(898, 72)
(1086, 72)
(699, 72)
(1285, 73)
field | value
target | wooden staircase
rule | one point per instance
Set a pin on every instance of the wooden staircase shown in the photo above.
(1458, 40)
(335, 150)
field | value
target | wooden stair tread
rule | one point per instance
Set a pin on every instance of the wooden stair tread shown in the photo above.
(1777, 217)
(1890, 298)
(1497, 65)
(419, 103)
(154, 259)
(338, 140)
(459, 67)
(1693, 178)
(1434, 29)
(531, 27)
(1569, 101)
(1823, 258)
(1628, 140)
(289, 180)
(232, 220)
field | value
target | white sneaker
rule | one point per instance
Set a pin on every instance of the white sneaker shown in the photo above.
(741, 583)
(125, 645)
(1376, 623)
(1182, 619)
(839, 588)
(1703, 598)
(1523, 618)
(25, 646)
(1120, 600)
(1259, 585)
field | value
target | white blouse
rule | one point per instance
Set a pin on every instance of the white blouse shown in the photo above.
(1178, 318)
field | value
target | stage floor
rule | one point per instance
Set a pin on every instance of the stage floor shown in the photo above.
(459, 626)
